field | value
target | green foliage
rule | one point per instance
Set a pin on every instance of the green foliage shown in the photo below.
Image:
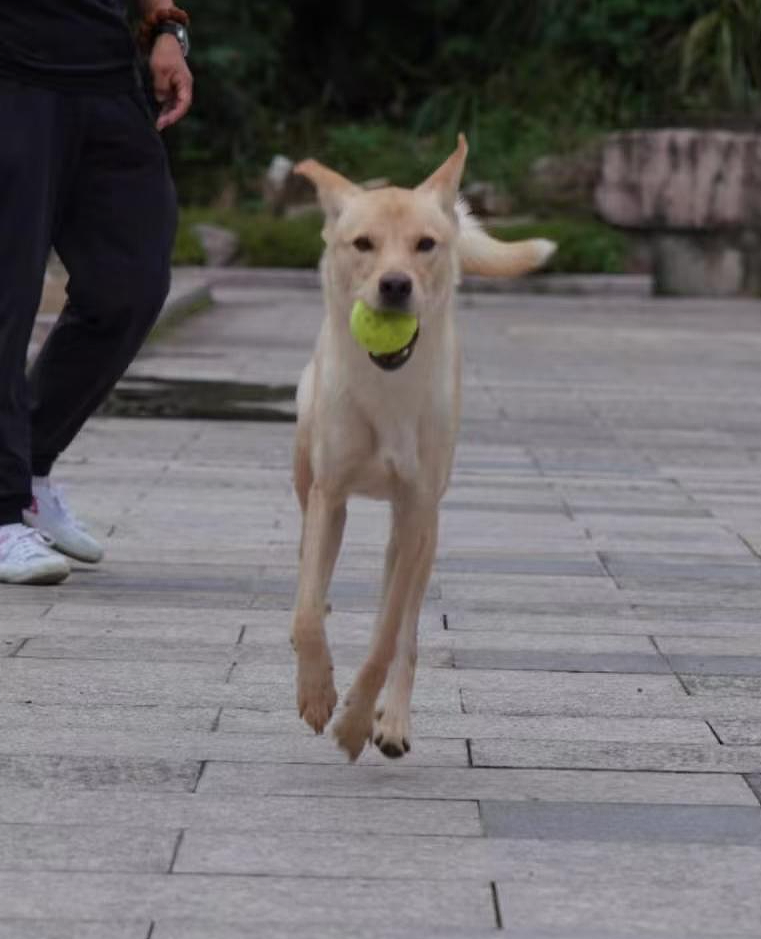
(264, 241)
(584, 245)
(380, 91)
(720, 55)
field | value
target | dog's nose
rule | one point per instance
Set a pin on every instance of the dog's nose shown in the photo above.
(394, 288)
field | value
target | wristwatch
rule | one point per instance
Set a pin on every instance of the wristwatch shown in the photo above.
(177, 30)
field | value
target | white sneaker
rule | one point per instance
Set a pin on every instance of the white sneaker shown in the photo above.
(26, 558)
(50, 514)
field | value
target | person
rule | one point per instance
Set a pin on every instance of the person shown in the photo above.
(82, 170)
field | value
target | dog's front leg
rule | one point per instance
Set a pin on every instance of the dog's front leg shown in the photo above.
(413, 539)
(323, 529)
(392, 730)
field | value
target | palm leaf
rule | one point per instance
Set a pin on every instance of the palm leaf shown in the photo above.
(697, 40)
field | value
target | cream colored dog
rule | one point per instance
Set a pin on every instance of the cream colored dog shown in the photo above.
(384, 426)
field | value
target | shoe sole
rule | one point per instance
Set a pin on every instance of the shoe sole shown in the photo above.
(43, 579)
(75, 557)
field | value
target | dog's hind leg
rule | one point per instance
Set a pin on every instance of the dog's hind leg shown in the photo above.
(324, 522)
(391, 733)
(410, 551)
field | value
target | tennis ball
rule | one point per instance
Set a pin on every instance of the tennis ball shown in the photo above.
(381, 332)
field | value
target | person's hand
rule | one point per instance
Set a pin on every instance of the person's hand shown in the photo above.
(172, 81)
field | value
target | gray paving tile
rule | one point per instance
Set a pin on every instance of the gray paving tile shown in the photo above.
(558, 566)
(252, 813)
(724, 686)
(123, 649)
(552, 785)
(72, 929)
(716, 664)
(83, 772)
(36, 847)
(754, 781)
(183, 929)
(622, 662)
(395, 857)
(605, 886)
(582, 510)
(358, 904)
(10, 646)
(36, 718)
(737, 732)
(651, 824)
(484, 726)
(725, 644)
(189, 747)
(520, 638)
(650, 757)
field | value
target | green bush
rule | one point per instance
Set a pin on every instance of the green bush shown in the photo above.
(264, 241)
(585, 246)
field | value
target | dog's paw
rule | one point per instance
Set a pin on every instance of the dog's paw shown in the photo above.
(391, 733)
(353, 730)
(317, 695)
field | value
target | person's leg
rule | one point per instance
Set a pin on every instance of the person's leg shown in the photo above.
(39, 134)
(115, 239)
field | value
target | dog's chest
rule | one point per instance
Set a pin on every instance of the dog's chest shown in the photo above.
(410, 435)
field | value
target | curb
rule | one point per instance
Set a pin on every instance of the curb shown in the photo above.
(190, 292)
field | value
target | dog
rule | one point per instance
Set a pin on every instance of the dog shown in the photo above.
(383, 426)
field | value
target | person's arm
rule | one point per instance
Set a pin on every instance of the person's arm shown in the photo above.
(172, 81)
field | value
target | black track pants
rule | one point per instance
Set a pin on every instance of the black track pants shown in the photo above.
(88, 175)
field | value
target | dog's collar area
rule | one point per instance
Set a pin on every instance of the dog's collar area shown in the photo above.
(391, 361)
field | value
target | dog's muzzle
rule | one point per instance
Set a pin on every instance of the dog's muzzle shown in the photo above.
(391, 361)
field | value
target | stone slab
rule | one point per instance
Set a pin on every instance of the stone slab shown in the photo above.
(650, 824)
(36, 847)
(541, 661)
(357, 905)
(552, 785)
(190, 748)
(737, 732)
(602, 886)
(716, 664)
(73, 929)
(396, 857)
(485, 726)
(184, 929)
(87, 772)
(125, 810)
(144, 719)
(592, 755)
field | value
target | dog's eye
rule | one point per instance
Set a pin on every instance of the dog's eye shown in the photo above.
(363, 243)
(426, 244)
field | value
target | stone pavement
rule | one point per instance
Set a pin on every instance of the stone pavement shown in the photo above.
(586, 758)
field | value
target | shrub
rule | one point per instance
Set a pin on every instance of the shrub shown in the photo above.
(585, 246)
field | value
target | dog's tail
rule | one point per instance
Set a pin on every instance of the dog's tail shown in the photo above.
(482, 254)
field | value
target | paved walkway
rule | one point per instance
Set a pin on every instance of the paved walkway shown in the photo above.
(587, 752)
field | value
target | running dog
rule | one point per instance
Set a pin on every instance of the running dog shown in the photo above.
(383, 426)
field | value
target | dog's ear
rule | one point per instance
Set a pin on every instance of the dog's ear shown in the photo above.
(333, 189)
(445, 182)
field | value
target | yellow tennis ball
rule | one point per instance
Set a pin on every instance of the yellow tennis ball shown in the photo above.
(381, 331)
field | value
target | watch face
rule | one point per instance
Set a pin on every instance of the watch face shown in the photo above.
(184, 39)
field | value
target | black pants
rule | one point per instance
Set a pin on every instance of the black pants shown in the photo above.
(88, 175)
